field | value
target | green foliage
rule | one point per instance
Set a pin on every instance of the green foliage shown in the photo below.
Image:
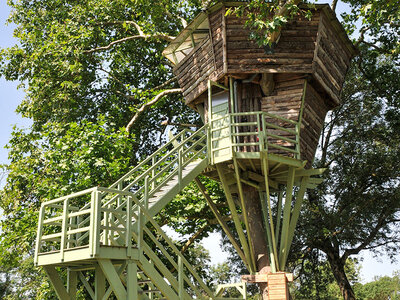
(263, 19)
(314, 278)
(381, 288)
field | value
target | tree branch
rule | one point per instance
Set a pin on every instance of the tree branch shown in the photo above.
(160, 36)
(334, 4)
(368, 240)
(149, 104)
(159, 87)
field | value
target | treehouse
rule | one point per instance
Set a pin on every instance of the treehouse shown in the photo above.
(263, 111)
(291, 85)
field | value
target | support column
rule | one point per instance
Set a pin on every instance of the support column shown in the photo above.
(72, 284)
(57, 283)
(100, 283)
(132, 281)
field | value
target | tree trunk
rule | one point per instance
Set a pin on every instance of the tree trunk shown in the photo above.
(337, 266)
(257, 234)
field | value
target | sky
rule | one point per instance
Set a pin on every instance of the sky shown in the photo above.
(10, 97)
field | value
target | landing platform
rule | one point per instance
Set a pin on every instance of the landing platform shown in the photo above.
(81, 256)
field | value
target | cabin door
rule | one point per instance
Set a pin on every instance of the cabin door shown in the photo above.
(220, 122)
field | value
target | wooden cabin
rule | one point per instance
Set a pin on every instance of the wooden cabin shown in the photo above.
(300, 79)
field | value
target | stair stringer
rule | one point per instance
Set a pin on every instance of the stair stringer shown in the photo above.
(176, 189)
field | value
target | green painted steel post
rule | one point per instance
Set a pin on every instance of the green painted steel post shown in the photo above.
(286, 217)
(264, 158)
(146, 198)
(72, 283)
(91, 226)
(38, 245)
(264, 134)
(99, 284)
(180, 278)
(132, 282)
(153, 172)
(128, 232)
(209, 113)
(64, 228)
(260, 127)
(296, 213)
(180, 166)
(279, 214)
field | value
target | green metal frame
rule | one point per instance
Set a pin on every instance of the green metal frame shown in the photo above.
(111, 231)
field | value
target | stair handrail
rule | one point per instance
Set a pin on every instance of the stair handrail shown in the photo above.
(176, 149)
(145, 161)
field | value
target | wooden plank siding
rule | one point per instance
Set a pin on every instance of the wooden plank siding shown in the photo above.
(315, 109)
(284, 102)
(331, 59)
(293, 54)
(203, 63)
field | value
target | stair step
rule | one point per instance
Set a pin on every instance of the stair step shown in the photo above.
(149, 291)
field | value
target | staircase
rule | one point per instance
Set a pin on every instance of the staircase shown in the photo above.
(110, 233)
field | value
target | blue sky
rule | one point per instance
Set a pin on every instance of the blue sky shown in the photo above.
(10, 97)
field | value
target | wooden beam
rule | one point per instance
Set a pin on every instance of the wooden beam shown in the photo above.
(263, 278)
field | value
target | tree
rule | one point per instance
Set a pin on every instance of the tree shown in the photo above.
(357, 207)
(384, 287)
(88, 69)
(96, 83)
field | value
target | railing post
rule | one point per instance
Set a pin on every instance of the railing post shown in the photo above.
(180, 278)
(180, 166)
(298, 141)
(146, 197)
(38, 245)
(140, 232)
(209, 145)
(153, 172)
(128, 238)
(264, 130)
(95, 220)
(260, 132)
(64, 228)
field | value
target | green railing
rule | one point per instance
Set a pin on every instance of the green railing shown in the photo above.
(81, 220)
(97, 218)
(253, 132)
(96, 226)
(165, 163)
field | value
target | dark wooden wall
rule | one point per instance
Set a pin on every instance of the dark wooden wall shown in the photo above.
(284, 102)
(331, 60)
(314, 112)
(204, 63)
(294, 52)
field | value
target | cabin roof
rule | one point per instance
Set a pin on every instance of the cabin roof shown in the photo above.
(198, 30)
